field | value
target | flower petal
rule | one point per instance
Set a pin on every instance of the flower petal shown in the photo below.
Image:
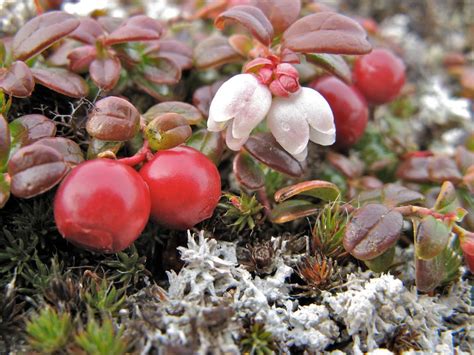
(287, 123)
(301, 156)
(319, 116)
(232, 142)
(214, 126)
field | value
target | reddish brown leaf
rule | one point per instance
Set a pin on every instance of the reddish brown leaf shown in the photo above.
(319, 189)
(4, 142)
(429, 273)
(41, 32)
(333, 64)
(351, 169)
(188, 111)
(414, 169)
(432, 236)
(167, 131)
(372, 230)
(250, 17)
(105, 72)
(242, 44)
(59, 58)
(30, 128)
(136, 28)
(211, 144)
(162, 71)
(174, 50)
(161, 92)
(81, 58)
(326, 32)
(214, 51)
(443, 168)
(35, 169)
(62, 81)
(70, 151)
(281, 13)
(391, 195)
(88, 31)
(292, 210)
(203, 96)
(113, 119)
(247, 171)
(266, 149)
(17, 80)
(464, 158)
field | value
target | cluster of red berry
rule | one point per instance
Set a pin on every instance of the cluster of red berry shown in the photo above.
(103, 205)
(378, 79)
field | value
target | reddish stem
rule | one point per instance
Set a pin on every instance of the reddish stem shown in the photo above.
(263, 199)
(144, 154)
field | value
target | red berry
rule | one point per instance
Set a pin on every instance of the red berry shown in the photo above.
(102, 205)
(379, 75)
(185, 187)
(348, 107)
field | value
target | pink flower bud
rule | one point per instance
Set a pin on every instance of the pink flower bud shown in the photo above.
(467, 246)
(287, 77)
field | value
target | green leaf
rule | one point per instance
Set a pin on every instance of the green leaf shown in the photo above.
(4, 142)
(211, 144)
(4, 189)
(332, 63)
(382, 262)
(188, 111)
(432, 236)
(98, 146)
(323, 190)
(288, 211)
(429, 273)
(447, 199)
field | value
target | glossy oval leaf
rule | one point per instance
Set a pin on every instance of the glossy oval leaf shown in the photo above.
(372, 230)
(429, 273)
(167, 131)
(88, 31)
(382, 262)
(349, 168)
(414, 169)
(81, 58)
(464, 158)
(105, 72)
(4, 189)
(28, 129)
(177, 51)
(211, 144)
(161, 71)
(136, 28)
(41, 32)
(391, 195)
(113, 119)
(70, 150)
(35, 169)
(442, 168)
(62, 81)
(323, 190)
(214, 51)
(326, 32)
(17, 80)
(292, 210)
(250, 17)
(264, 147)
(446, 201)
(431, 238)
(247, 171)
(281, 13)
(332, 63)
(4, 142)
(161, 92)
(188, 111)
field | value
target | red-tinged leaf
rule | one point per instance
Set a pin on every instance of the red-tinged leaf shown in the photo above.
(319, 189)
(177, 51)
(136, 28)
(105, 72)
(292, 210)
(70, 151)
(167, 131)
(113, 119)
(59, 58)
(372, 230)
(203, 96)
(188, 111)
(242, 44)
(81, 58)
(391, 195)
(161, 92)
(4, 189)
(431, 237)
(464, 158)
(4, 142)
(350, 168)
(250, 17)
(443, 168)
(97, 147)
(88, 31)
(211, 144)
(110, 24)
(429, 273)
(446, 201)
(264, 147)
(162, 71)
(62, 81)
(247, 172)
(214, 51)
(17, 80)
(326, 32)
(41, 32)
(28, 129)
(333, 64)
(35, 169)
(414, 169)
(281, 13)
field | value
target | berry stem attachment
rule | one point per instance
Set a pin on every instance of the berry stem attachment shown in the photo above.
(144, 154)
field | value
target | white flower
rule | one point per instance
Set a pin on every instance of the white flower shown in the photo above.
(242, 102)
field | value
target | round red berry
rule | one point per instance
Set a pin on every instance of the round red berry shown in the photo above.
(102, 205)
(379, 75)
(185, 187)
(348, 107)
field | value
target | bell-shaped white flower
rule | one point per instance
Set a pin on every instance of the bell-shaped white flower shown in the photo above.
(299, 118)
(240, 104)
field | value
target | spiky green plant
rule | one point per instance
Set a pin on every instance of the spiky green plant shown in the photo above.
(103, 298)
(242, 211)
(101, 339)
(258, 341)
(49, 331)
(126, 267)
